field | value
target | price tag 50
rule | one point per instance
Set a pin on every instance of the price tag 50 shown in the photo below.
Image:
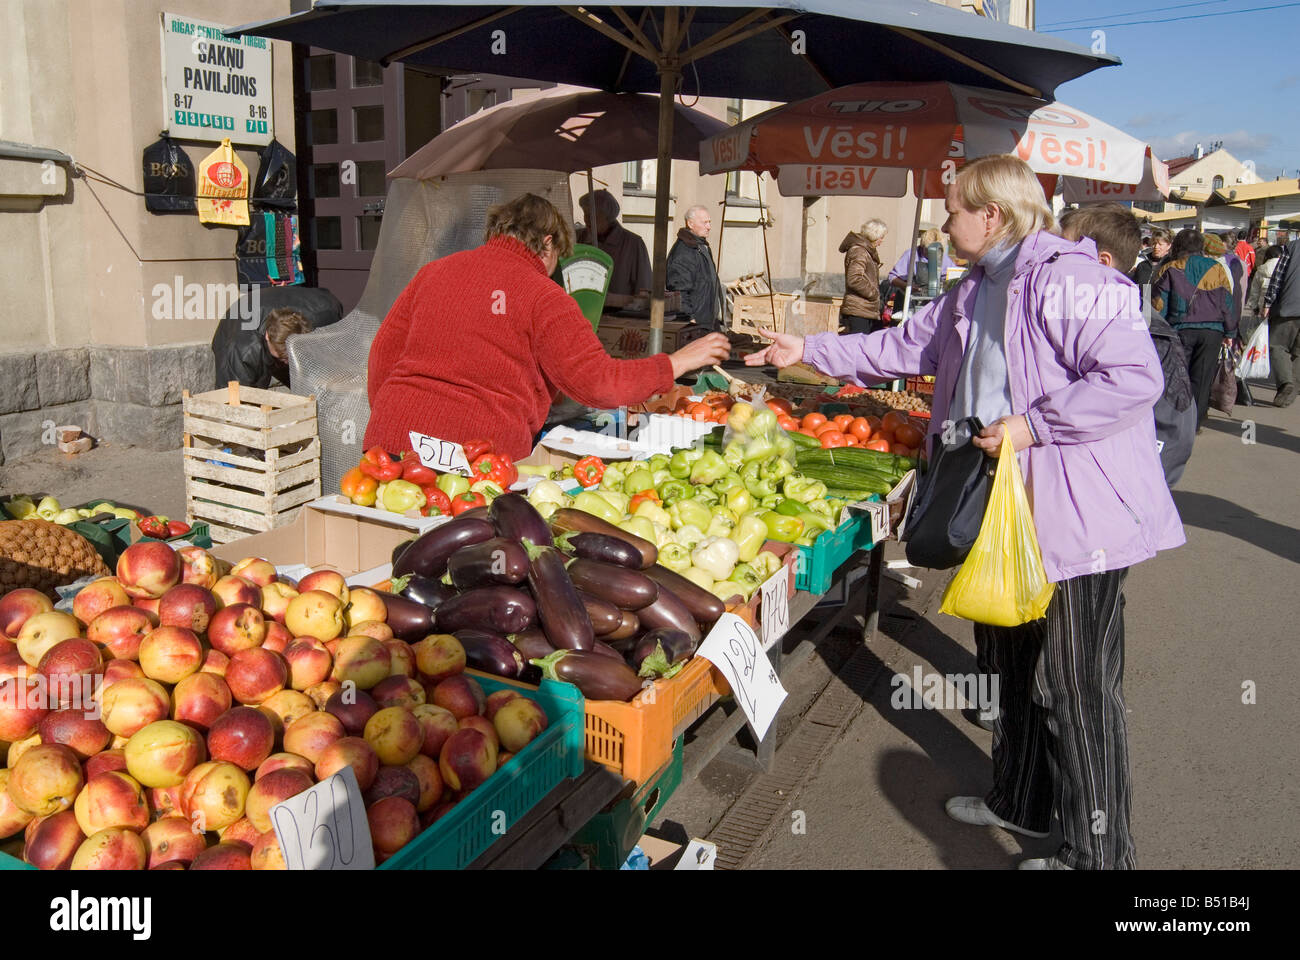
(440, 454)
(733, 647)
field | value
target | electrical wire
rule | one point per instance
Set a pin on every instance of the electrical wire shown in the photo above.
(1195, 16)
(1131, 13)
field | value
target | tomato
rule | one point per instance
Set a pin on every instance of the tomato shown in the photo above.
(879, 443)
(720, 416)
(806, 433)
(851, 441)
(842, 422)
(873, 423)
(860, 428)
(833, 438)
(788, 423)
(883, 434)
(778, 405)
(909, 435)
(813, 420)
(900, 449)
(893, 420)
(826, 427)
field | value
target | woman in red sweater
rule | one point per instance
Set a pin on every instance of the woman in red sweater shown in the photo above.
(480, 342)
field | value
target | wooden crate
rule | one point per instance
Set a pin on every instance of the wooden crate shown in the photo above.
(274, 466)
(811, 315)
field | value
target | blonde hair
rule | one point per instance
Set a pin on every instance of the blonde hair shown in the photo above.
(931, 235)
(281, 324)
(874, 229)
(1008, 183)
(530, 219)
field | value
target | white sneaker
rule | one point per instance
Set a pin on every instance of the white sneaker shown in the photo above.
(974, 810)
(1043, 863)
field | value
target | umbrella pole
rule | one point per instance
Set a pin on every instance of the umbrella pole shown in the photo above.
(591, 205)
(767, 262)
(669, 73)
(911, 267)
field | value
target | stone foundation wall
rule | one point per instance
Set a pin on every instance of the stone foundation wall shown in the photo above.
(127, 395)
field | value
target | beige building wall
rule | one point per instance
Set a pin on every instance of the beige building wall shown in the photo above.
(85, 77)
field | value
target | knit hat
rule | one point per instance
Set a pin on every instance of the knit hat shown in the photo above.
(1214, 246)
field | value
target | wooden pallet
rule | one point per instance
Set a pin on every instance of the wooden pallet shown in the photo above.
(273, 467)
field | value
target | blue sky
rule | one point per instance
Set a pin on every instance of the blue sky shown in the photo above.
(1176, 87)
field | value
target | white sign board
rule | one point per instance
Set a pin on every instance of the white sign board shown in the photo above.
(440, 454)
(734, 648)
(215, 87)
(325, 828)
(775, 607)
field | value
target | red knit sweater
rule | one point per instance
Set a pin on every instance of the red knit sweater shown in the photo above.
(477, 346)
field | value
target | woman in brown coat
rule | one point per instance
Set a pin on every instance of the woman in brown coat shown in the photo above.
(861, 310)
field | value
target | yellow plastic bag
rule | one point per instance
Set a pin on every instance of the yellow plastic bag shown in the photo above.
(1002, 581)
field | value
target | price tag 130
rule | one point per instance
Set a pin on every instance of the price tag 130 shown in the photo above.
(775, 607)
(733, 648)
(440, 454)
(325, 828)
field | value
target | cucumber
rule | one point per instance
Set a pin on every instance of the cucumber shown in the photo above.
(803, 440)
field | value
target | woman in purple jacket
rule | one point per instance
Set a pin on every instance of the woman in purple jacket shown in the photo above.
(1042, 342)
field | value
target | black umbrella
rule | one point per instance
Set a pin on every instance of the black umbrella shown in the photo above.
(784, 51)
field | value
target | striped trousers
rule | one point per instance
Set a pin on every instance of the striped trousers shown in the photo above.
(1060, 739)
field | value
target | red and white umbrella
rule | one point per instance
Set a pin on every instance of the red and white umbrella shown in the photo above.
(861, 140)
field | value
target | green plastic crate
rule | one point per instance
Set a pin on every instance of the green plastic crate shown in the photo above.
(459, 838)
(8, 862)
(610, 835)
(816, 565)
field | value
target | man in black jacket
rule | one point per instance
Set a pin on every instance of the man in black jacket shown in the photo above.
(249, 343)
(691, 270)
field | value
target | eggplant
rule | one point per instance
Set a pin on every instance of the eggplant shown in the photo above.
(597, 676)
(400, 549)
(605, 617)
(423, 590)
(494, 609)
(704, 606)
(410, 620)
(662, 652)
(569, 520)
(475, 513)
(517, 519)
(499, 560)
(532, 643)
(626, 589)
(669, 611)
(491, 653)
(429, 553)
(623, 647)
(628, 629)
(560, 609)
(601, 547)
(607, 650)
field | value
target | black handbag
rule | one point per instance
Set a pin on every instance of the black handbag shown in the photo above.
(950, 501)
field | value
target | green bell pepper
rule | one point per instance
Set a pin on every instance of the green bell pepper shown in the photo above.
(701, 578)
(689, 535)
(402, 495)
(722, 510)
(642, 527)
(726, 483)
(785, 446)
(709, 468)
(747, 577)
(769, 503)
(660, 476)
(783, 528)
(739, 500)
(619, 501)
(706, 496)
(670, 491)
(675, 557)
(790, 508)
(823, 510)
(639, 479)
(686, 513)
(588, 502)
(812, 521)
(615, 476)
(762, 423)
(760, 448)
(658, 462)
(755, 483)
(734, 454)
(453, 485)
(750, 534)
(803, 489)
(766, 563)
(546, 508)
(679, 465)
(721, 525)
(653, 512)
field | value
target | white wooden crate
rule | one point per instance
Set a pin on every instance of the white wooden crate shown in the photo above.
(252, 459)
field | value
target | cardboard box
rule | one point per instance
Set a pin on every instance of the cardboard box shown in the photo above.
(629, 337)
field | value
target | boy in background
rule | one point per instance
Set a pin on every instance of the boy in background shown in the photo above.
(1118, 237)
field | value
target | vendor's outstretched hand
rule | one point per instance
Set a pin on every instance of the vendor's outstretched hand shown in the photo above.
(785, 350)
(704, 352)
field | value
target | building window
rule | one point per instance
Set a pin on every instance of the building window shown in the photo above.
(366, 73)
(632, 175)
(368, 230)
(327, 233)
(370, 178)
(324, 126)
(369, 123)
(320, 72)
(325, 180)
(1217, 183)
(733, 184)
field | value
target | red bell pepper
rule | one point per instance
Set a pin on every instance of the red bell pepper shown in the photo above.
(155, 527)
(436, 503)
(416, 472)
(588, 471)
(378, 464)
(177, 528)
(496, 467)
(476, 448)
(467, 501)
(644, 496)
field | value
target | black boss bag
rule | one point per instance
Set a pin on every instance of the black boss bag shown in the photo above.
(950, 501)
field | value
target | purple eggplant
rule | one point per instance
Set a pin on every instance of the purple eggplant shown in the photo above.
(627, 629)
(475, 513)
(597, 676)
(560, 609)
(704, 606)
(410, 620)
(494, 609)
(607, 650)
(531, 644)
(569, 520)
(626, 589)
(491, 653)
(624, 647)
(431, 593)
(516, 519)
(663, 652)
(400, 549)
(601, 547)
(499, 560)
(605, 617)
(429, 553)
(669, 611)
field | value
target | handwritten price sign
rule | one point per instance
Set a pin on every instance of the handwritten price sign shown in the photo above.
(325, 828)
(440, 454)
(775, 607)
(734, 648)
